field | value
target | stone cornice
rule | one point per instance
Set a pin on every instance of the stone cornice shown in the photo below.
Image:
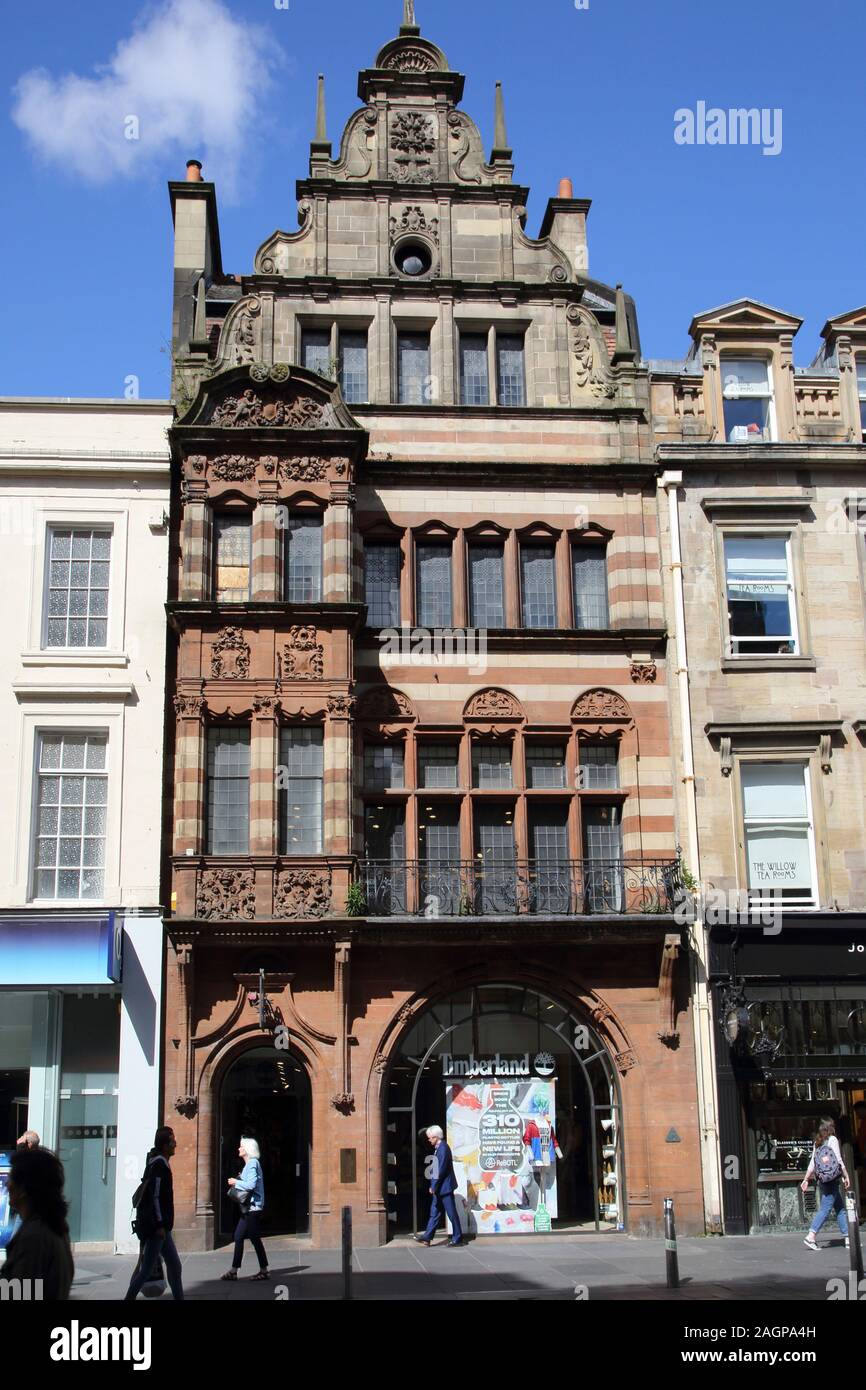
(819, 455)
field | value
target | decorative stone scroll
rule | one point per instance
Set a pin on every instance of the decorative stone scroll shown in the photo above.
(413, 219)
(303, 657)
(230, 655)
(591, 370)
(302, 893)
(226, 894)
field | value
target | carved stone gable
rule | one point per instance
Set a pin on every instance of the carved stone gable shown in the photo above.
(230, 655)
(493, 704)
(266, 409)
(600, 704)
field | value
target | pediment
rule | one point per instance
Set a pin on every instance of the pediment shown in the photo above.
(744, 315)
(852, 322)
(279, 397)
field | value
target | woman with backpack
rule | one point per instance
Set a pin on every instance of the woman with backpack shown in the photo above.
(249, 1192)
(828, 1169)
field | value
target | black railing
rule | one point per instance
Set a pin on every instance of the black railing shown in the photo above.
(568, 888)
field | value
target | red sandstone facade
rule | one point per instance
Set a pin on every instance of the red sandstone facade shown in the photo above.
(488, 855)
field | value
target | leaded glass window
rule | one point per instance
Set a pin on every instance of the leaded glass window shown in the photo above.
(353, 367)
(316, 350)
(538, 585)
(383, 765)
(433, 581)
(228, 791)
(491, 765)
(232, 537)
(413, 368)
(300, 785)
(474, 386)
(486, 586)
(589, 570)
(304, 558)
(510, 370)
(71, 816)
(79, 560)
(382, 583)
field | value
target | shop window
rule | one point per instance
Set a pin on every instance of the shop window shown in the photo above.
(79, 561)
(382, 583)
(304, 557)
(71, 815)
(491, 765)
(762, 617)
(599, 766)
(748, 400)
(545, 765)
(538, 585)
(228, 791)
(301, 790)
(353, 366)
(383, 765)
(413, 369)
(474, 384)
(437, 764)
(486, 586)
(779, 831)
(510, 369)
(232, 537)
(589, 577)
(433, 583)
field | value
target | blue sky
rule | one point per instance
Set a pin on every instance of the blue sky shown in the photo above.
(590, 93)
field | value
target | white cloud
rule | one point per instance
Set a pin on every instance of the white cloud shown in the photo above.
(192, 76)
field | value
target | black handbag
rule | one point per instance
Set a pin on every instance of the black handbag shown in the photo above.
(242, 1197)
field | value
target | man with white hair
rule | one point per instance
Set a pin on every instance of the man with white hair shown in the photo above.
(443, 1185)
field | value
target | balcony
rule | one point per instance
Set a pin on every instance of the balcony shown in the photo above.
(569, 888)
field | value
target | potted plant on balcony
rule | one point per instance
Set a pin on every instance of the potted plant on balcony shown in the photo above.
(356, 902)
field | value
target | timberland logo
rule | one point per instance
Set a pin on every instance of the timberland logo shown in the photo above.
(438, 646)
(77, 1343)
(20, 1290)
(484, 1066)
(736, 126)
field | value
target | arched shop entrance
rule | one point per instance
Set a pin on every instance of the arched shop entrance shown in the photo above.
(496, 1066)
(266, 1096)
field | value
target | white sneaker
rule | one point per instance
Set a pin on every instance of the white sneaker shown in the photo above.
(811, 1243)
(847, 1243)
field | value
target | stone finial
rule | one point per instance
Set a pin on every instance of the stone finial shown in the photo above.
(501, 149)
(321, 143)
(623, 351)
(410, 24)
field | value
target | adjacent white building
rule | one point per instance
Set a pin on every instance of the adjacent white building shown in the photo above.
(84, 499)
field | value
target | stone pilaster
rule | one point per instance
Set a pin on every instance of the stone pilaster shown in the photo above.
(338, 774)
(337, 545)
(264, 760)
(267, 535)
(189, 774)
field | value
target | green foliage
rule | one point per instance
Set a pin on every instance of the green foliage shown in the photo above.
(356, 902)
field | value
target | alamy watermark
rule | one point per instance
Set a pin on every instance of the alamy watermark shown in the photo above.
(440, 646)
(730, 906)
(740, 125)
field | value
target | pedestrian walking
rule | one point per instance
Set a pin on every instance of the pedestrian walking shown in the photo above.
(249, 1192)
(154, 1219)
(828, 1169)
(40, 1247)
(443, 1185)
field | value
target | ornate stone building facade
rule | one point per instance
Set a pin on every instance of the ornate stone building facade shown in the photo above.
(421, 806)
(761, 479)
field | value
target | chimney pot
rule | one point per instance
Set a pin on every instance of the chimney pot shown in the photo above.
(566, 188)
(193, 171)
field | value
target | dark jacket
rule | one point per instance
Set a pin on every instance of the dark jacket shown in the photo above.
(157, 1207)
(37, 1252)
(445, 1183)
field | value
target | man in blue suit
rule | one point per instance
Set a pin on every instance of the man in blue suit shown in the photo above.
(443, 1185)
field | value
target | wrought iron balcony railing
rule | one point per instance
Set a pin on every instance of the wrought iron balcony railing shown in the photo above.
(566, 888)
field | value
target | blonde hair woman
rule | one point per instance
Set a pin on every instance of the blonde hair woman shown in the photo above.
(249, 1192)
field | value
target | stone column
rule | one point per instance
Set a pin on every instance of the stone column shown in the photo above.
(267, 537)
(264, 759)
(337, 545)
(189, 774)
(338, 774)
(195, 579)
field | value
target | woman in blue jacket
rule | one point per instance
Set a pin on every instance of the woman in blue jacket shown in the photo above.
(252, 1182)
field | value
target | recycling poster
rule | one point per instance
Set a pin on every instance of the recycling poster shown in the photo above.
(503, 1194)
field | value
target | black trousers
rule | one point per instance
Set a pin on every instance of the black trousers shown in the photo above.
(248, 1229)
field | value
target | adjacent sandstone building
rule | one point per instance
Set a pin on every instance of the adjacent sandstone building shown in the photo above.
(423, 865)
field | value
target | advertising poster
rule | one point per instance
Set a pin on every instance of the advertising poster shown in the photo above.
(500, 1133)
(7, 1218)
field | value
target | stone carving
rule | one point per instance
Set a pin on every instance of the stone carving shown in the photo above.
(188, 706)
(341, 706)
(558, 275)
(412, 144)
(384, 704)
(303, 657)
(302, 893)
(409, 59)
(230, 656)
(343, 1100)
(625, 1061)
(380, 1064)
(591, 372)
(245, 335)
(189, 491)
(224, 894)
(197, 462)
(405, 1012)
(492, 704)
(464, 153)
(266, 706)
(600, 704)
(600, 1013)
(644, 672)
(413, 219)
(233, 468)
(302, 470)
(186, 1106)
(252, 411)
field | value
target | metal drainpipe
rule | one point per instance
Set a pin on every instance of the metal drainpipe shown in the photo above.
(704, 1046)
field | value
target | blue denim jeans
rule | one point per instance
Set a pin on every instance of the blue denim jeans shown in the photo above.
(157, 1245)
(832, 1199)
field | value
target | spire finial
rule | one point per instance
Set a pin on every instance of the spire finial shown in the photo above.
(321, 123)
(410, 23)
(623, 350)
(501, 148)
